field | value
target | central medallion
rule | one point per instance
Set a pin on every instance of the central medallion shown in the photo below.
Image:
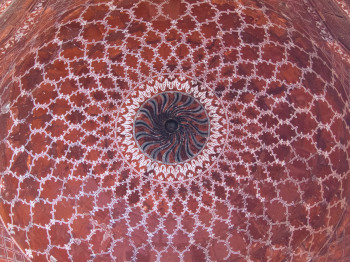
(171, 127)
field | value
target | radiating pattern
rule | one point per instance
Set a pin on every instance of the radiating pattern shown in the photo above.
(271, 182)
(210, 143)
(171, 127)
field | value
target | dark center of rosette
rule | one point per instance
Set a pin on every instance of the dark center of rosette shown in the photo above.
(171, 127)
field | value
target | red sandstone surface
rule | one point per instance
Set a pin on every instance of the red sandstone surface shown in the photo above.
(274, 187)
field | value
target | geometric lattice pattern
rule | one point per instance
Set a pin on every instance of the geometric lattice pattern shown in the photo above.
(8, 251)
(277, 188)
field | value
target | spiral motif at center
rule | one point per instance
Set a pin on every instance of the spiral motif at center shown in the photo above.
(171, 127)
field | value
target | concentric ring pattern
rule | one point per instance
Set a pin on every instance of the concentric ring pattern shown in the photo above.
(171, 127)
(270, 183)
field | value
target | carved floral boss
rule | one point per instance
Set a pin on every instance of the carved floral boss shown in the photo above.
(172, 127)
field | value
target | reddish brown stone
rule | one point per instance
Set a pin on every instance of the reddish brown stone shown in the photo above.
(72, 185)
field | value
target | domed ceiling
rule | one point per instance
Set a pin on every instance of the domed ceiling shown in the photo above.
(174, 131)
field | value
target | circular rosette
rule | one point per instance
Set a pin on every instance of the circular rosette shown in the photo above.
(171, 127)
